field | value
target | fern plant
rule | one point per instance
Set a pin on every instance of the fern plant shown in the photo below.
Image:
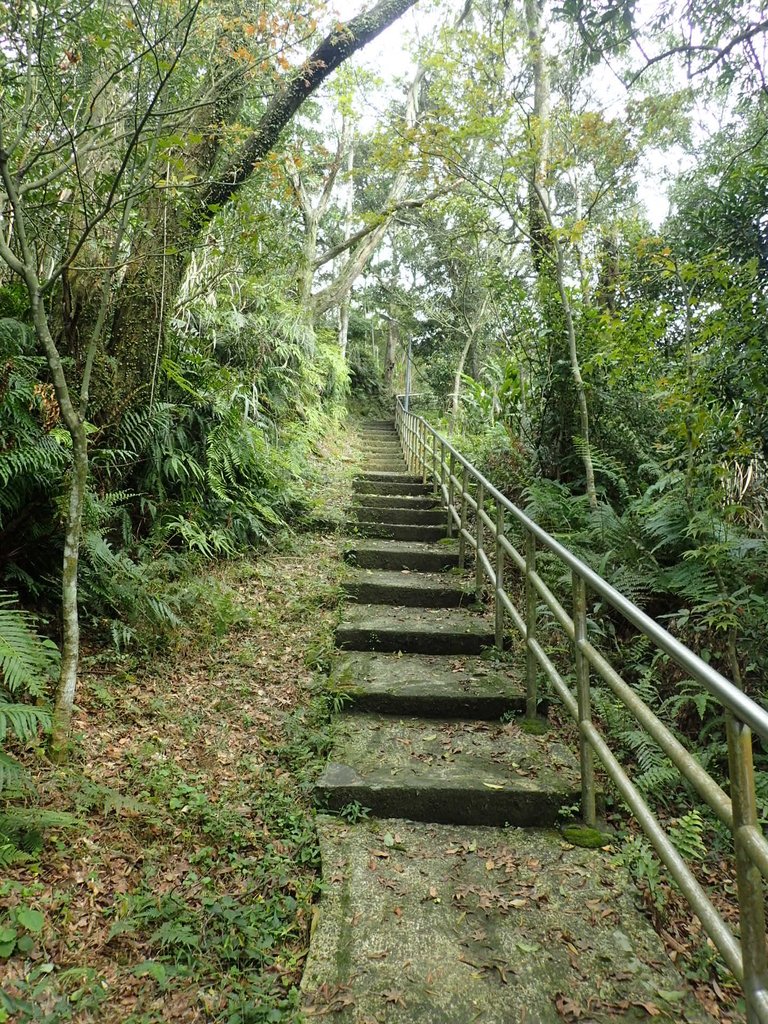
(27, 662)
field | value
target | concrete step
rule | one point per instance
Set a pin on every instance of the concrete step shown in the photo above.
(387, 447)
(383, 554)
(398, 531)
(460, 773)
(384, 466)
(430, 685)
(414, 516)
(414, 631)
(364, 485)
(405, 501)
(377, 425)
(415, 590)
(439, 924)
(388, 477)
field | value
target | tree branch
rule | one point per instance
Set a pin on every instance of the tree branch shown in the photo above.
(344, 40)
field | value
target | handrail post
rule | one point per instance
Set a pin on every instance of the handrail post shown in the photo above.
(435, 483)
(531, 668)
(463, 525)
(749, 885)
(451, 494)
(423, 451)
(499, 589)
(480, 498)
(586, 757)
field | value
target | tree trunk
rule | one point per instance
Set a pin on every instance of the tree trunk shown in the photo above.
(457, 383)
(578, 380)
(349, 207)
(540, 235)
(393, 338)
(137, 344)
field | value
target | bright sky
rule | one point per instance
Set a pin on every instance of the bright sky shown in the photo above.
(388, 57)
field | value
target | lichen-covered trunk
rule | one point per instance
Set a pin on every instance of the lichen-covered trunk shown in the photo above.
(578, 381)
(457, 383)
(146, 296)
(75, 424)
(70, 649)
(393, 338)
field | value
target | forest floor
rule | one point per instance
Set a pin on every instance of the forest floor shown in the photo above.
(183, 890)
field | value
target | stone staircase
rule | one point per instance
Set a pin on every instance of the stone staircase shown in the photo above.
(441, 893)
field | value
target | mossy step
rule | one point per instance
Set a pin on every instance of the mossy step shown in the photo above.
(398, 531)
(461, 773)
(414, 631)
(438, 924)
(389, 477)
(419, 590)
(405, 501)
(430, 685)
(415, 516)
(363, 485)
(385, 466)
(392, 554)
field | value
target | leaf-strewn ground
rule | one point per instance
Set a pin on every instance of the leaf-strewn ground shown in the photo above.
(183, 890)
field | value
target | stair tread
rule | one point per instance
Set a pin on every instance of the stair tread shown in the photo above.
(453, 925)
(448, 770)
(438, 685)
(478, 756)
(417, 620)
(413, 580)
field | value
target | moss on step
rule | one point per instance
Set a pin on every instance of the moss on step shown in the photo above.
(585, 837)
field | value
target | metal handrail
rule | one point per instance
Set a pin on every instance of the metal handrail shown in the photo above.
(465, 490)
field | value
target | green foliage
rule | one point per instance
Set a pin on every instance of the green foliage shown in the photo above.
(27, 662)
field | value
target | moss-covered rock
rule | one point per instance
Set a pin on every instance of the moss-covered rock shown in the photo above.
(586, 837)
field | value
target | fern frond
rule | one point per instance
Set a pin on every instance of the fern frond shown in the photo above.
(23, 720)
(27, 660)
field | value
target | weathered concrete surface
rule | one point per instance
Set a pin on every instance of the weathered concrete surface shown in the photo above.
(431, 685)
(384, 554)
(468, 773)
(414, 516)
(390, 478)
(384, 461)
(398, 531)
(443, 925)
(403, 501)
(414, 631)
(364, 486)
(416, 590)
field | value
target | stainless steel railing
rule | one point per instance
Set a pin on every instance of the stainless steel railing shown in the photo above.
(468, 496)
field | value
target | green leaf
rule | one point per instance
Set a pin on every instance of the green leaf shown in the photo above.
(30, 919)
(152, 969)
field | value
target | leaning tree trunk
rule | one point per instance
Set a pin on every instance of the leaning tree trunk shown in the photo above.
(137, 343)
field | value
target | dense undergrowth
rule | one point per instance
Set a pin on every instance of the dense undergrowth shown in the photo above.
(176, 875)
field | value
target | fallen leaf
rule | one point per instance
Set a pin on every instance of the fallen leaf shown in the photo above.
(393, 996)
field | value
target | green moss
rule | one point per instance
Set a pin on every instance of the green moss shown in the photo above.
(586, 837)
(534, 726)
